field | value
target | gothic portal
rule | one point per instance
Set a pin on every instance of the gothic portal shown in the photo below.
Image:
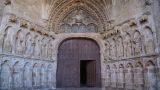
(79, 44)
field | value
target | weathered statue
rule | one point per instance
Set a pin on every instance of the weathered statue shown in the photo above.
(36, 75)
(108, 76)
(17, 76)
(7, 46)
(20, 44)
(44, 48)
(120, 48)
(137, 44)
(27, 75)
(138, 77)
(127, 46)
(149, 43)
(5, 76)
(113, 49)
(107, 50)
(129, 77)
(50, 50)
(37, 49)
(29, 45)
(43, 76)
(49, 76)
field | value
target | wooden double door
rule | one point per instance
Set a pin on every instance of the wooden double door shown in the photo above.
(78, 64)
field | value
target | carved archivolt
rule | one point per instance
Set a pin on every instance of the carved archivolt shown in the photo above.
(60, 9)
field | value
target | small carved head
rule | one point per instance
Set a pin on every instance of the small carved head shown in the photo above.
(13, 18)
(24, 23)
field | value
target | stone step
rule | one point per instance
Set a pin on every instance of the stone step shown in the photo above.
(79, 89)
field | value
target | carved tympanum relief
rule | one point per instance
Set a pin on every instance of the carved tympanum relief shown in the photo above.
(79, 21)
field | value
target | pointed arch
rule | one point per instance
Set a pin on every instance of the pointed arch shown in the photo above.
(49, 75)
(29, 44)
(7, 44)
(108, 76)
(27, 75)
(114, 76)
(92, 27)
(65, 28)
(120, 79)
(149, 40)
(129, 76)
(5, 75)
(120, 47)
(17, 75)
(36, 75)
(139, 76)
(20, 43)
(43, 76)
(150, 76)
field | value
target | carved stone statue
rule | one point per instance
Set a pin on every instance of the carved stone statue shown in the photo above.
(50, 49)
(20, 44)
(17, 76)
(127, 46)
(29, 45)
(5, 76)
(120, 47)
(44, 48)
(113, 49)
(49, 76)
(7, 47)
(36, 75)
(27, 75)
(129, 77)
(107, 50)
(149, 43)
(43, 76)
(37, 49)
(137, 44)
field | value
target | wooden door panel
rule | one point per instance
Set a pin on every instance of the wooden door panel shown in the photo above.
(91, 73)
(70, 53)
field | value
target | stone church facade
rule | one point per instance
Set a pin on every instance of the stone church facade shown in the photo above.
(119, 40)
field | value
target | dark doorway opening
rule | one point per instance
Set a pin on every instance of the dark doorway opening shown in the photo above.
(83, 73)
(87, 73)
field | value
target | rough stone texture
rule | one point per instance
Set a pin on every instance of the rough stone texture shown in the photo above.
(127, 33)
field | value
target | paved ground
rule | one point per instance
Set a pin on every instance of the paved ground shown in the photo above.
(79, 89)
(68, 89)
